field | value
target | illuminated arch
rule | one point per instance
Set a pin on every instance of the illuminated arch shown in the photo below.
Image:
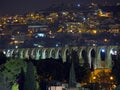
(25, 53)
(91, 60)
(38, 52)
(30, 53)
(99, 62)
(108, 56)
(33, 53)
(58, 53)
(12, 52)
(44, 53)
(81, 59)
(21, 56)
(15, 53)
(51, 53)
(64, 50)
(7, 53)
(61, 52)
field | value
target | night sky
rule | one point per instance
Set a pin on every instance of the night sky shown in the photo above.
(23, 6)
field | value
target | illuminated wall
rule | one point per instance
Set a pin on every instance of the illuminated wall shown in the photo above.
(96, 56)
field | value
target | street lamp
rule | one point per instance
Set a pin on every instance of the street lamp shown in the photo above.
(94, 78)
(111, 82)
(111, 77)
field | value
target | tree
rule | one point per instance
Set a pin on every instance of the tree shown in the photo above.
(86, 73)
(30, 81)
(82, 71)
(72, 78)
(116, 68)
(12, 69)
(4, 84)
(2, 58)
(21, 79)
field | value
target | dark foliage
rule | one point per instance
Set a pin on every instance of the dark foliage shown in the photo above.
(21, 79)
(3, 58)
(30, 81)
(54, 69)
(116, 69)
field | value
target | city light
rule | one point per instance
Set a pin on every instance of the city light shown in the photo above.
(111, 78)
(105, 40)
(78, 5)
(94, 77)
(102, 50)
(56, 34)
(113, 52)
(94, 31)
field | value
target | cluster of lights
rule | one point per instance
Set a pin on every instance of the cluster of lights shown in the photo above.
(113, 52)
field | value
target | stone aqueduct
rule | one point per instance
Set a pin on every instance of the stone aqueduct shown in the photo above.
(62, 52)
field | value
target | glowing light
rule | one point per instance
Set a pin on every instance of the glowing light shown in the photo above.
(111, 78)
(4, 52)
(105, 40)
(57, 45)
(94, 77)
(41, 34)
(16, 46)
(60, 30)
(79, 31)
(84, 18)
(94, 44)
(103, 50)
(113, 52)
(78, 5)
(94, 31)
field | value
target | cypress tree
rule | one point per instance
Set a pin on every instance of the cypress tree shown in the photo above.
(21, 79)
(30, 82)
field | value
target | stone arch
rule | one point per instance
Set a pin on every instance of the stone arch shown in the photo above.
(64, 54)
(80, 51)
(44, 53)
(21, 53)
(38, 53)
(12, 52)
(92, 57)
(58, 53)
(52, 53)
(25, 53)
(103, 53)
(114, 53)
(47, 53)
(15, 53)
(99, 62)
(32, 55)
(109, 56)
(8, 53)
